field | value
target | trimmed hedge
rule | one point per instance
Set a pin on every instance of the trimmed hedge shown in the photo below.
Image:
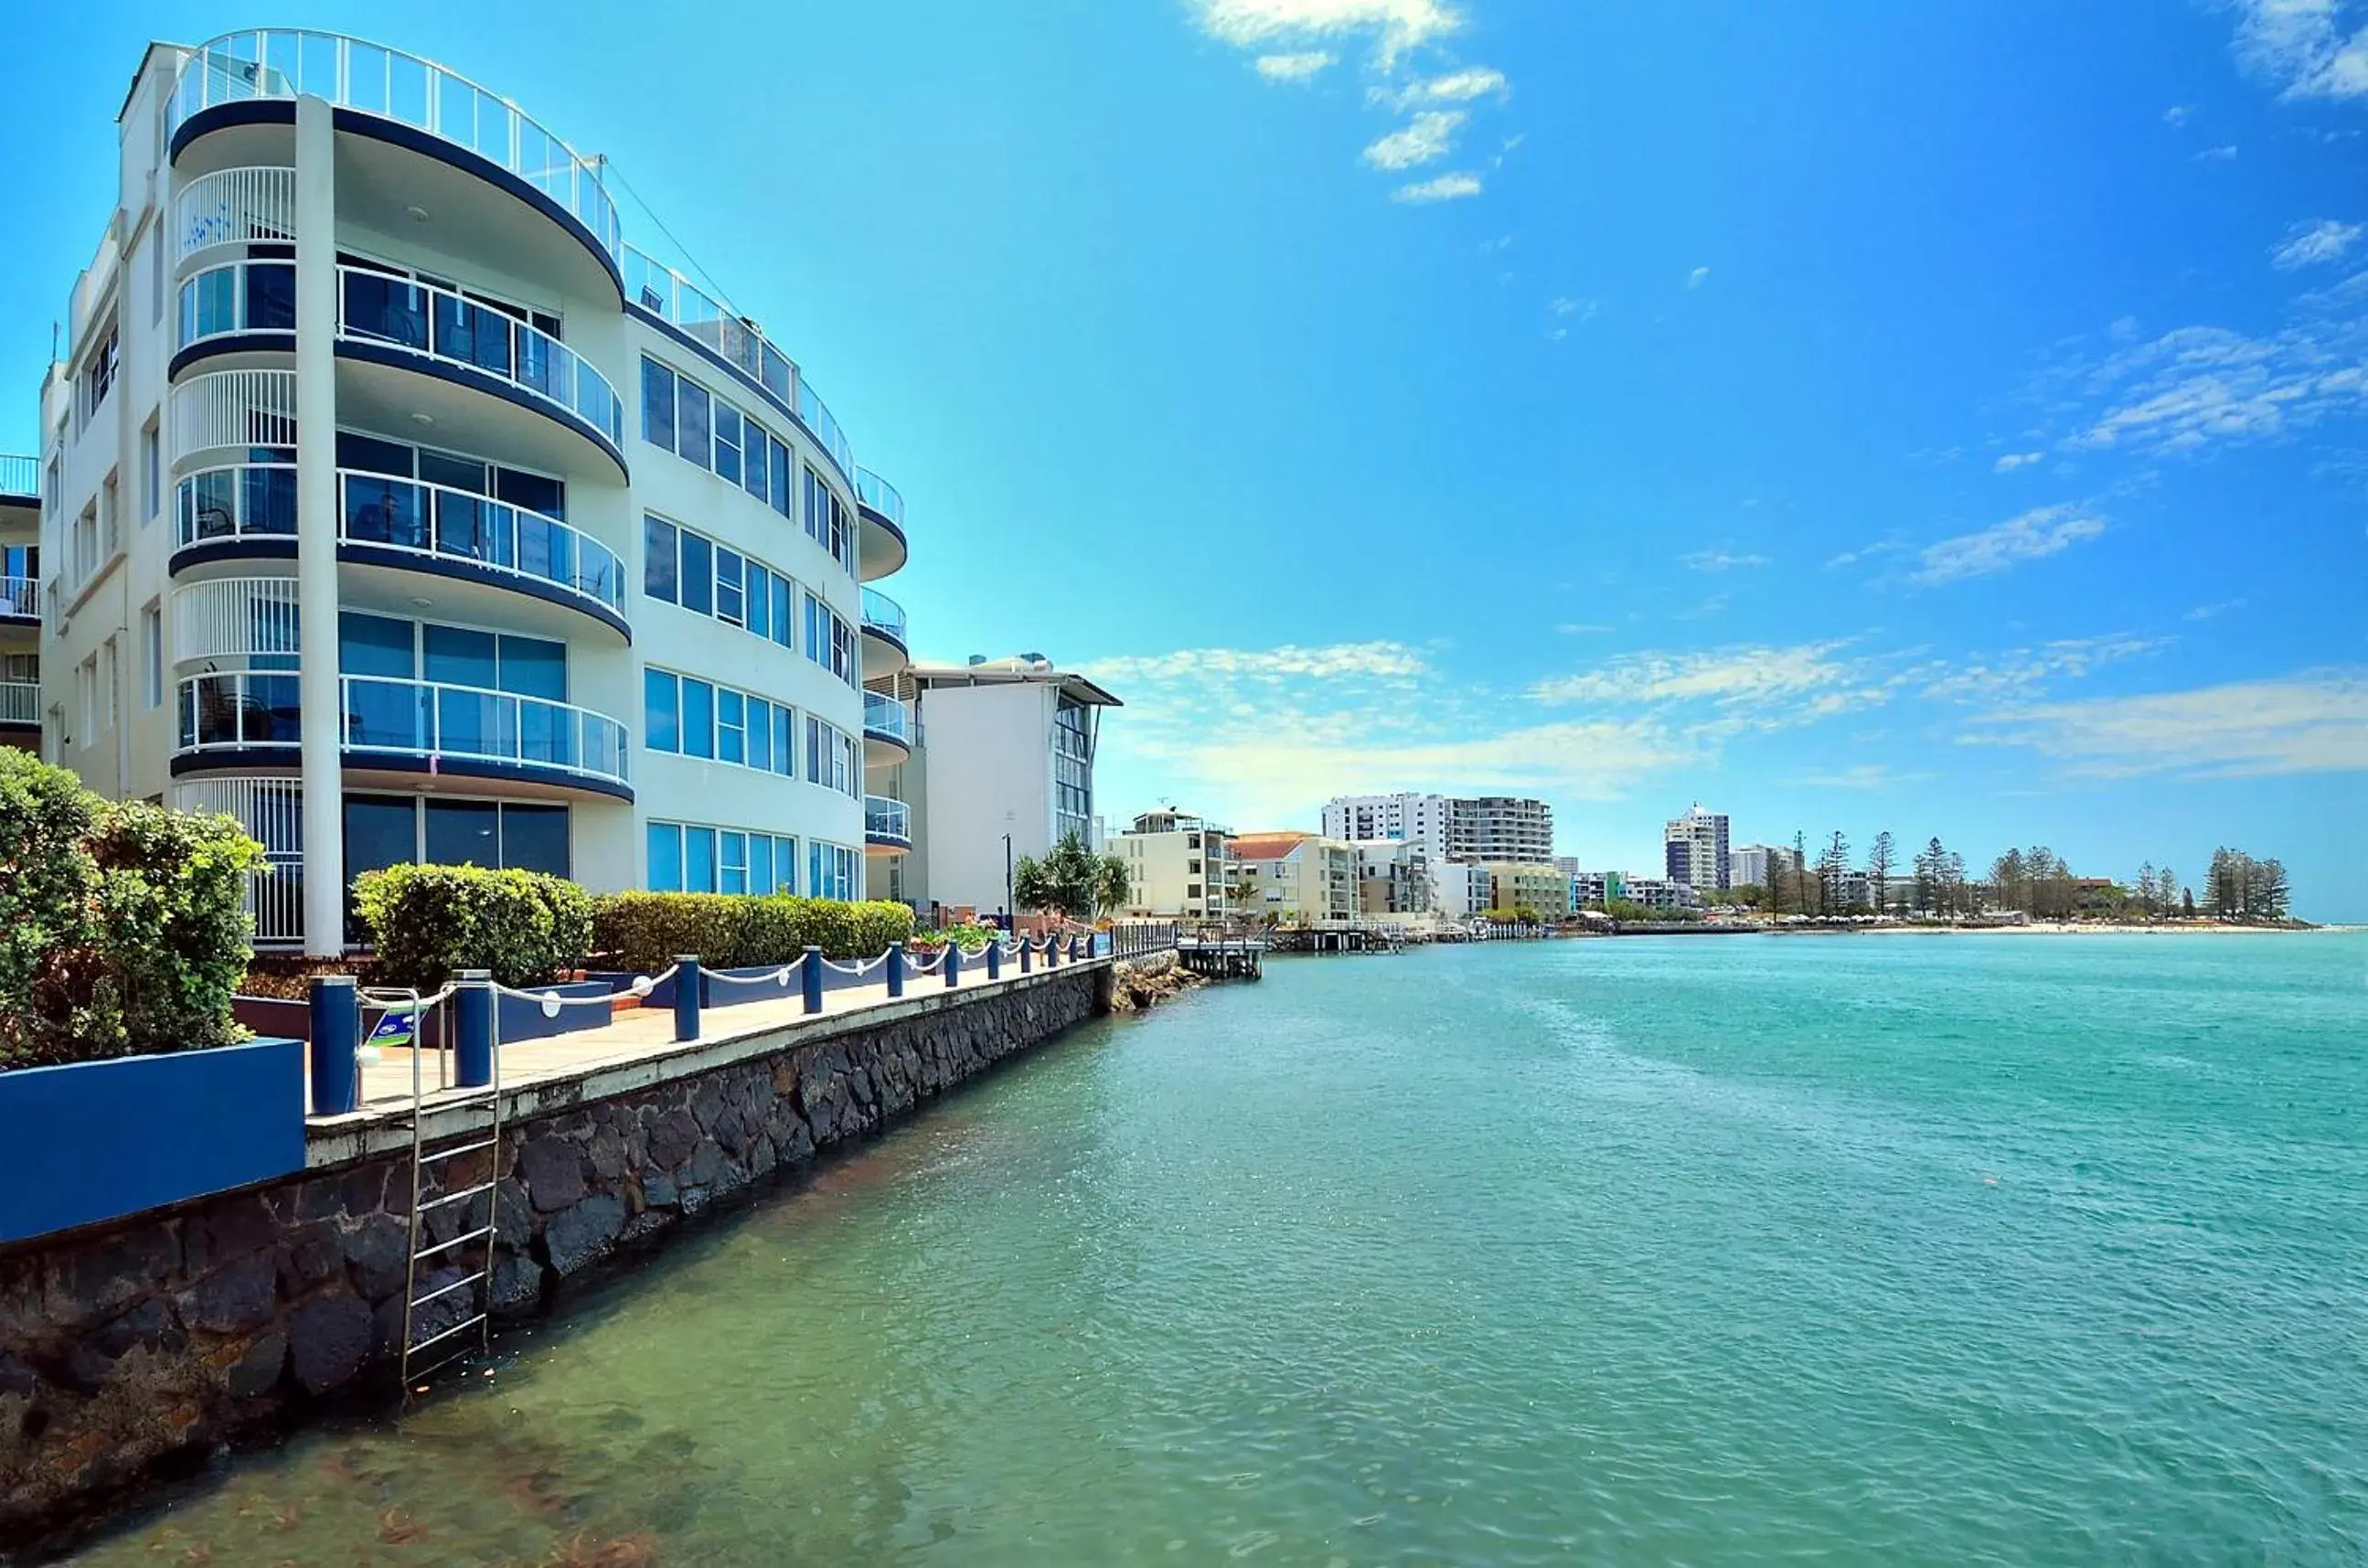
(644, 931)
(426, 921)
(123, 927)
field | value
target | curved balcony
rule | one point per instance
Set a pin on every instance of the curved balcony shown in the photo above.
(258, 74)
(887, 826)
(392, 320)
(885, 647)
(234, 411)
(412, 526)
(405, 726)
(887, 731)
(882, 510)
(246, 307)
(235, 207)
(242, 618)
(20, 601)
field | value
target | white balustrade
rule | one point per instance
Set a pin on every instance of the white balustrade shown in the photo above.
(234, 408)
(271, 811)
(232, 207)
(21, 702)
(21, 596)
(235, 618)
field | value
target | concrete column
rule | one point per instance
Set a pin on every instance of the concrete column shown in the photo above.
(316, 528)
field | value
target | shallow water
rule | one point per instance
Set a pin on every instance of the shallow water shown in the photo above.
(1876, 1250)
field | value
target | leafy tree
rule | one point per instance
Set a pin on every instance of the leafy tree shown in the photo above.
(1071, 880)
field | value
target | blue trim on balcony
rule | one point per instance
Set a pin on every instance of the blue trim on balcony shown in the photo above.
(230, 342)
(641, 312)
(879, 518)
(30, 618)
(467, 571)
(234, 547)
(397, 356)
(884, 841)
(449, 765)
(283, 111)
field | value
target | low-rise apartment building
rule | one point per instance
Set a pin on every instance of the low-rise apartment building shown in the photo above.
(1178, 865)
(1525, 884)
(1299, 879)
(1394, 877)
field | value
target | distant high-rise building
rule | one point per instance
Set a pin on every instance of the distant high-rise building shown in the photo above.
(1452, 827)
(1750, 865)
(1696, 849)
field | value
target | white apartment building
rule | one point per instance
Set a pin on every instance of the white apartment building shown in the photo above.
(1000, 767)
(1460, 889)
(1750, 864)
(20, 603)
(1452, 827)
(1394, 877)
(1593, 890)
(395, 504)
(1660, 893)
(1178, 865)
(1300, 879)
(1695, 849)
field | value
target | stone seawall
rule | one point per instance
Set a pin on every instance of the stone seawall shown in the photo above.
(129, 1349)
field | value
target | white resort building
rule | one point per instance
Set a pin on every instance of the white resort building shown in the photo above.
(393, 503)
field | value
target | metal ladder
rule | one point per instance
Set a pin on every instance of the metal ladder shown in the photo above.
(452, 1344)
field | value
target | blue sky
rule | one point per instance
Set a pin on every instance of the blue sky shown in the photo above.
(1950, 418)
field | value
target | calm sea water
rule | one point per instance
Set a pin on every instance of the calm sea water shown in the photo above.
(1876, 1250)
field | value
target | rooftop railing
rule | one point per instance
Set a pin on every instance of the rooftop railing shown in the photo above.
(880, 496)
(384, 308)
(354, 74)
(884, 614)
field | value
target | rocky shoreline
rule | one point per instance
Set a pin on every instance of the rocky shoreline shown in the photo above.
(1137, 985)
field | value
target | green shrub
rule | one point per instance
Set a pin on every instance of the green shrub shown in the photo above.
(644, 931)
(426, 921)
(123, 928)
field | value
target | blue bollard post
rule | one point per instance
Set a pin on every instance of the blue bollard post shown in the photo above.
(953, 964)
(687, 983)
(809, 976)
(994, 958)
(336, 1033)
(1026, 954)
(473, 1028)
(895, 969)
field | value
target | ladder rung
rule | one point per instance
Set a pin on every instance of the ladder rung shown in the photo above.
(446, 1291)
(429, 1154)
(447, 1333)
(460, 1196)
(445, 1246)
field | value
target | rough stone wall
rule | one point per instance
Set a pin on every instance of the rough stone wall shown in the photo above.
(124, 1351)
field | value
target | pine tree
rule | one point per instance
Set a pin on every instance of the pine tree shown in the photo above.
(2165, 891)
(2145, 889)
(1931, 868)
(2275, 896)
(1831, 867)
(1879, 861)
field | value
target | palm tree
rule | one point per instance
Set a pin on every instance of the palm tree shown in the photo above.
(1071, 880)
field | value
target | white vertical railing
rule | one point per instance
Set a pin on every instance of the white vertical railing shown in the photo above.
(233, 206)
(234, 408)
(272, 812)
(235, 618)
(21, 702)
(20, 596)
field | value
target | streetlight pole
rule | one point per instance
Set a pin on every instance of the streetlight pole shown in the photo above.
(1010, 916)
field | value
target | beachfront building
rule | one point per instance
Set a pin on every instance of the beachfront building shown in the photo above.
(395, 504)
(1750, 865)
(1178, 865)
(1394, 877)
(1593, 890)
(1661, 894)
(1528, 884)
(20, 603)
(1450, 827)
(1298, 879)
(1695, 849)
(1459, 889)
(1000, 767)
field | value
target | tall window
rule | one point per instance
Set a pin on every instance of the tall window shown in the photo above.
(98, 374)
(152, 476)
(709, 430)
(152, 655)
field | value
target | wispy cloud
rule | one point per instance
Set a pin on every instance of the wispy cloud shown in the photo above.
(1426, 138)
(2022, 673)
(1397, 26)
(2310, 722)
(2311, 244)
(2223, 153)
(1697, 278)
(2213, 611)
(1381, 660)
(2009, 461)
(1767, 686)
(1581, 627)
(2036, 534)
(1295, 67)
(1443, 187)
(2310, 49)
(1863, 775)
(2177, 114)
(1454, 87)
(1718, 561)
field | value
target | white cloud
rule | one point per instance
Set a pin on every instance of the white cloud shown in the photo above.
(1443, 188)
(1288, 662)
(1398, 25)
(2223, 153)
(1719, 561)
(2177, 114)
(2307, 244)
(1295, 67)
(1454, 87)
(1581, 627)
(2213, 611)
(2021, 674)
(1426, 138)
(1756, 678)
(1863, 775)
(2310, 722)
(2009, 461)
(2312, 49)
(2202, 384)
(1697, 278)
(2040, 532)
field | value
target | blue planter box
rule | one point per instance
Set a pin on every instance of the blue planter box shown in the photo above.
(521, 1020)
(99, 1139)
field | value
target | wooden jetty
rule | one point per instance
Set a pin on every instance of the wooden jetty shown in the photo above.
(1222, 958)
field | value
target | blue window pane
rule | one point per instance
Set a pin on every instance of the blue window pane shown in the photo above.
(727, 442)
(785, 864)
(661, 711)
(665, 857)
(658, 559)
(785, 629)
(531, 666)
(459, 656)
(760, 600)
(785, 727)
(690, 423)
(730, 728)
(369, 454)
(734, 868)
(761, 735)
(697, 574)
(374, 646)
(657, 405)
(728, 569)
(760, 864)
(697, 719)
(779, 479)
(698, 859)
(534, 839)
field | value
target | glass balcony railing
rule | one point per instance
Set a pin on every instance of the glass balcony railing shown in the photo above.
(880, 496)
(20, 596)
(356, 74)
(383, 308)
(887, 822)
(423, 718)
(885, 616)
(660, 289)
(251, 296)
(434, 519)
(20, 476)
(237, 501)
(886, 716)
(222, 712)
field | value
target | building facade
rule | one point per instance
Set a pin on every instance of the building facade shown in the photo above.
(1299, 879)
(1459, 890)
(1394, 877)
(1450, 827)
(20, 603)
(1660, 893)
(1695, 849)
(1528, 884)
(397, 505)
(1000, 767)
(1178, 865)
(1750, 865)
(1593, 890)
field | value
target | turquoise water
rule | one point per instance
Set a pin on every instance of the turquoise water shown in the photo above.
(1854, 1251)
